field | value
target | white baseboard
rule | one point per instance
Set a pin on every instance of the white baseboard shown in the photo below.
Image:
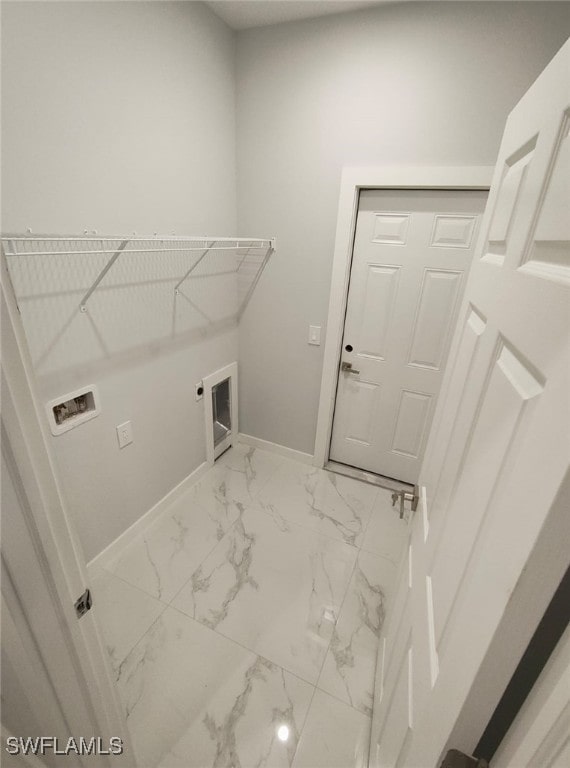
(104, 558)
(282, 450)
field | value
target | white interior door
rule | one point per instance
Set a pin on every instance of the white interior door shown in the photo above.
(411, 253)
(489, 543)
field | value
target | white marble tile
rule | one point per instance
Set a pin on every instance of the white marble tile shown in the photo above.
(123, 613)
(235, 479)
(331, 504)
(196, 699)
(160, 560)
(386, 534)
(348, 671)
(258, 465)
(335, 736)
(274, 587)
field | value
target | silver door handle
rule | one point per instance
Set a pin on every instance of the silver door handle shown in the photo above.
(347, 368)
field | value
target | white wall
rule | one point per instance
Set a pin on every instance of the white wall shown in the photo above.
(120, 117)
(418, 84)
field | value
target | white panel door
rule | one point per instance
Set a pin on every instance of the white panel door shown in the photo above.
(412, 251)
(494, 472)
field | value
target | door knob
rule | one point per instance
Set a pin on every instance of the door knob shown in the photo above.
(347, 368)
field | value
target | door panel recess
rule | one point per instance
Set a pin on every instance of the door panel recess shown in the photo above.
(411, 255)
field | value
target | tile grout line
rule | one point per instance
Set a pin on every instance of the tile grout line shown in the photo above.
(135, 586)
(358, 549)
(260, 508)
(166, 516)
(271, 475)
(277, 664)
(317, 686)
(306, 528)
(370, 517)
(341, 539)
(218, 542)
(313, 530)
(163, 607)
(255, 652)
(240, 645)
(245, 647)
(252, 650)
(314, 686)
(230, 527)
(337, 621)
(257, 505)
(303, 726)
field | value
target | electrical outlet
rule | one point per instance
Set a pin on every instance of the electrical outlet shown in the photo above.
(125, 434)
(199, 389)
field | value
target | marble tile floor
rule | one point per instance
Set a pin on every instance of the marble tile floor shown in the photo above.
(243, 625)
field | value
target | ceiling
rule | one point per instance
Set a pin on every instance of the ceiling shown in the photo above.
(244, 14)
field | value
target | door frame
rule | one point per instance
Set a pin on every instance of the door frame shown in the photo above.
(57, 552)
(355, 178)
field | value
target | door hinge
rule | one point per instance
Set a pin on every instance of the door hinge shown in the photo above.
(457, 759)
(83, 604)
(406, 496)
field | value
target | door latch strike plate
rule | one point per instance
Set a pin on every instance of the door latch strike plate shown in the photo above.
(83, 604)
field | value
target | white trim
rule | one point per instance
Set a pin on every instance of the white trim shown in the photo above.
(229, 371)
(281, 450)
(353, 180)
(79, 668)
(106, 557)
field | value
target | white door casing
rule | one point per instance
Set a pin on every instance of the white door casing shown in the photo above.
(353, 180)
(44, 572)
(488, 544)
(412, 251)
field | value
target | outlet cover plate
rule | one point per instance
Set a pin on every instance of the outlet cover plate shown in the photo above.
(125, 434)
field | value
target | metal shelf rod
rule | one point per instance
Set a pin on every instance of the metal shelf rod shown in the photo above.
(138, 250)
(155, 238)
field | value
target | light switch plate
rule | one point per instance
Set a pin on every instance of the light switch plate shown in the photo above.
(125, 434)
(315, 335)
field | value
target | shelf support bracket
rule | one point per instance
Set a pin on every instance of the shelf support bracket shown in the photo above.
(101, 275)
(269, 252)
(193, 267)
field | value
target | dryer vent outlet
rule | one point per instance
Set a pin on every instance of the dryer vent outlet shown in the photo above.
(221, 410)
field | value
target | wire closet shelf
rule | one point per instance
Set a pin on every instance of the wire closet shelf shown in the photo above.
(95, 245)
